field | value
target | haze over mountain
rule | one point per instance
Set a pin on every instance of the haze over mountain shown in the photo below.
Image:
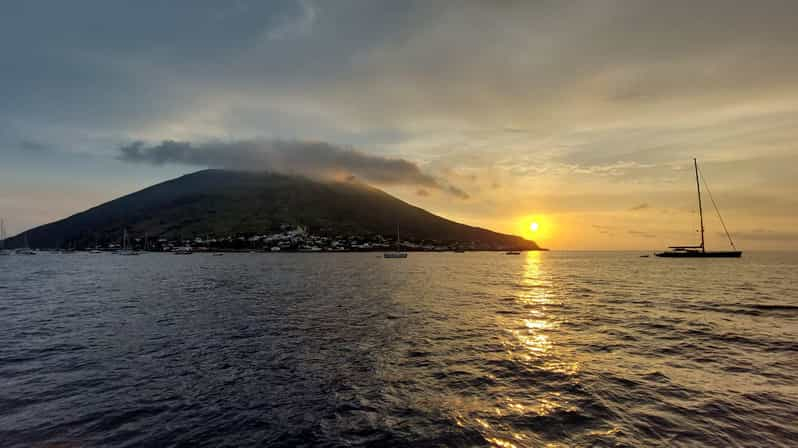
(223, 202)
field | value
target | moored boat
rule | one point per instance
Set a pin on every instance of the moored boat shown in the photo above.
(397, 253)
(126, 249)
(699, 251)
(185, 250)
(3, 250)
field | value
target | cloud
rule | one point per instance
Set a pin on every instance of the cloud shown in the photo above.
(32, 145)
(604, 230)
(451, 189)
(296, 26)
(312, 159)
(599, 104)
(641, 234)
(764, 235)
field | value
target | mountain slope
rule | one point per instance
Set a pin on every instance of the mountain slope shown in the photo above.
(222, 202)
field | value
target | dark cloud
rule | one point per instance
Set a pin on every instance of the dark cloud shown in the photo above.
(451, 189)
(32, 145)
(313, 159)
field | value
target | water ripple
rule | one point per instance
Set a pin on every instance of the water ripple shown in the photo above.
(556, 349)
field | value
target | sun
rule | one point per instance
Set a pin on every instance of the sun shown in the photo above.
(535, 227)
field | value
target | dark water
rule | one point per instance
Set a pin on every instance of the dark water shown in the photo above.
(477, 349)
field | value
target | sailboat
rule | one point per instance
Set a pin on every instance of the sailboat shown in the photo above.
(3, 250)
(126, 250)
(700, 251)
(397, 253)
(25, 250)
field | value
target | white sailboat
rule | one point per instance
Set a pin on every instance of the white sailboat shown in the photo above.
(126, 250)
(397, 253)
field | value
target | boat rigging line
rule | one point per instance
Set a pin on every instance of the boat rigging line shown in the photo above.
(711, 198)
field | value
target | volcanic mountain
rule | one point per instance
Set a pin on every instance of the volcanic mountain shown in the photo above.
(221, 202)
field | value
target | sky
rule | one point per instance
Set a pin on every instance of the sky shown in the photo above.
(582, 116)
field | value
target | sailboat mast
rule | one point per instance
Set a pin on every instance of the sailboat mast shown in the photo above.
(700, 209)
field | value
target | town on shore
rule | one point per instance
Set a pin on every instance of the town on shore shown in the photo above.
(287, 239)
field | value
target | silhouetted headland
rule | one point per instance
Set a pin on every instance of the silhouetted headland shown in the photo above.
(221, 209)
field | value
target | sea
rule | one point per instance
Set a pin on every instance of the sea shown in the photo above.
(542, 349)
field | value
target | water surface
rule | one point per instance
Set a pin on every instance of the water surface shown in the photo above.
(477, 349)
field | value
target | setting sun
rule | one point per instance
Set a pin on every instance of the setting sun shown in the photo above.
(535, 227)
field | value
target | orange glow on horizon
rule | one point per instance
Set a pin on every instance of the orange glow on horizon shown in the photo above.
(535, 227)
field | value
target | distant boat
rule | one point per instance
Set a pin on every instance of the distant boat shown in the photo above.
(700, 251)
(185, 250)
(126, 250)
(513, 252)
(3, 250)
(25, 250)
(397, 253)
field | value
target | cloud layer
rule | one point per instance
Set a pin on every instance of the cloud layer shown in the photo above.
(312, 159)
(570, 107)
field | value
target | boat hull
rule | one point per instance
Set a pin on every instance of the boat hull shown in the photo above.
(394, 255)
(718, 254)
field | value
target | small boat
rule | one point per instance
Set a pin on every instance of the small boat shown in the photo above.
(126, 250)
(25, 250)
(700, 251)
(397, 253)
(3, 250)
(309, 249)
(513, 252)
(394, 255)
(218, 254)
(184, 250)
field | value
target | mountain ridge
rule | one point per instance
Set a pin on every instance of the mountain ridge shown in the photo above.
(223, 202)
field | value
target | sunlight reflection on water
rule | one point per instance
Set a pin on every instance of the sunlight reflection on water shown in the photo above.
(533, 347)
(546, 350)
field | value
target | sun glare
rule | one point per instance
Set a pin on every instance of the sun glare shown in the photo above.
(534, 227)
